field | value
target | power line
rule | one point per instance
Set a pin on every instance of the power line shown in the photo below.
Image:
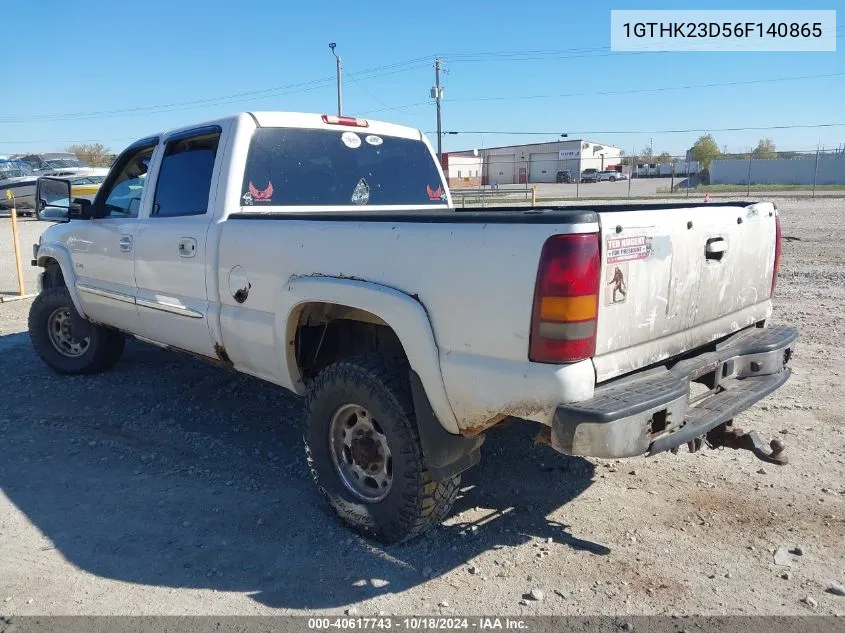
(370, 73)
(725, 129)
(614, 92)
(73, 142)
(641, 90)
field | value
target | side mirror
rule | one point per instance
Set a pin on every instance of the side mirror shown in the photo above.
(52, 199)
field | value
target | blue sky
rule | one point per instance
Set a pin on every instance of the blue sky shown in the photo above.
(103, 57)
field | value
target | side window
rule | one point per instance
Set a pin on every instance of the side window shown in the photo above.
(124, 198)
(184, 179)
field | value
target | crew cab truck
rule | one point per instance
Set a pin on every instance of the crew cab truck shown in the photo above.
(323, 254)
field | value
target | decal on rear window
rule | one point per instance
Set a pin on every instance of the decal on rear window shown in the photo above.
(350, 139)
(372, 139)
(361, 193)
(259, 195)
(434, 194)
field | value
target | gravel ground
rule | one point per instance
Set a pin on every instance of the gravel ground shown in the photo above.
(170, 487)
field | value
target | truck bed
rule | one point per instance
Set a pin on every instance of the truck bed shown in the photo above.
(540, 214)
(475, 273)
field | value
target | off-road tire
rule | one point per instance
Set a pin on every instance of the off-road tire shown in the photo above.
(104, 349)
(415, 502)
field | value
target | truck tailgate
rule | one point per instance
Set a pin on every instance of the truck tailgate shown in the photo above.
(677, 279)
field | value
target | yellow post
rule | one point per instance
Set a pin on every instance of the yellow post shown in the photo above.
(11, 197)
(533, 195)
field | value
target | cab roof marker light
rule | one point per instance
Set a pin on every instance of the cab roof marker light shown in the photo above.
(332, 119)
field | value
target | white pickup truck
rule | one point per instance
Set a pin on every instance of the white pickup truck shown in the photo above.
(323, 254)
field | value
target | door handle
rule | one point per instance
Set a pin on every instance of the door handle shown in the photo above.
(715, 248)
(187, 247)
(125, 243)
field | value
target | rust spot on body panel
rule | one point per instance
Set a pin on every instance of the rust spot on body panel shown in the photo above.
(527, 410)
(220, 351)
(472, 431)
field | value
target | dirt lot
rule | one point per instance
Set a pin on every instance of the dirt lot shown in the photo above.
(171, 487)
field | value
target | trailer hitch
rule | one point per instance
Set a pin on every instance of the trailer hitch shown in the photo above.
(728, 436)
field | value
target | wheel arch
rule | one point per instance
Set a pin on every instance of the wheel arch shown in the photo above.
(375, 306)
(54, 255)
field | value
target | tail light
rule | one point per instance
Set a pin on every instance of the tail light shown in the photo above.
(778, 249)
(563, 323)
(345, 120)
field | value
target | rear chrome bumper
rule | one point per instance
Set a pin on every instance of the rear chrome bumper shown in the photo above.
(653, 411)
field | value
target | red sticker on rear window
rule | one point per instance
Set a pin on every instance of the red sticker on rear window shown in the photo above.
(434, 194)
(259, 195)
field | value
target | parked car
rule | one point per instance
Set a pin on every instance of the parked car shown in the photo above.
(60, 164)
(17, 186)
(85, 186)
(589, 175)
(297, 248)
(612, 175)
(564, 175)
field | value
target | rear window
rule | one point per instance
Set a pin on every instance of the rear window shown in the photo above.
(307, 167)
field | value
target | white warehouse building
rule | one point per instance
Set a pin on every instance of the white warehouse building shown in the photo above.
(540, 162)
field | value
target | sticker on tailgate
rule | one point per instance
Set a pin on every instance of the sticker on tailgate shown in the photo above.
(626, 249)
(616, 288)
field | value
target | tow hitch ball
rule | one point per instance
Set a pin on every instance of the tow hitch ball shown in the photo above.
(726, 435)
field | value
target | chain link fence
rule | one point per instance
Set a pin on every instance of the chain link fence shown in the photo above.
(528, 180)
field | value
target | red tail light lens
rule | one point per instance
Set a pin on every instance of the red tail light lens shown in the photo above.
(778, 248)
(563, 323)
(344, 120)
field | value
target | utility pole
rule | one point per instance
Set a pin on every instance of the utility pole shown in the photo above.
(332, 46)
(437, 93)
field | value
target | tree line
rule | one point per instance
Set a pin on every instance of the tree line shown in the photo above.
(93, 155)
(705, 150)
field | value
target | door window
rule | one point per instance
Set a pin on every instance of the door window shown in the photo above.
(184, 180)
(123, 198)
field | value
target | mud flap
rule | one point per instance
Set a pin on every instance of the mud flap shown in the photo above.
(78, 324)
(446, 454)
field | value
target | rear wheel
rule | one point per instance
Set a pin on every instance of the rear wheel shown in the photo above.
(364, 451)
(65, 341)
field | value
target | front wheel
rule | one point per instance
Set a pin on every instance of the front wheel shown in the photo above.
(364, 451)
(65, 341)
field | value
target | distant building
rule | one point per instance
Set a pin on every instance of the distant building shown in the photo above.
(462, 169)
(540, 162)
